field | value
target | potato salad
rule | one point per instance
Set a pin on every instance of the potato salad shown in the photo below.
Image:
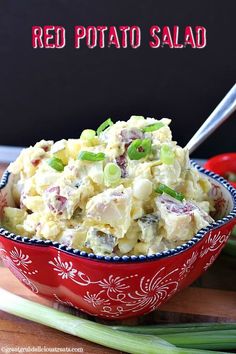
(125, 189)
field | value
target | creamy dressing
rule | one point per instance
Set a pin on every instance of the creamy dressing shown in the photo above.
(76, 207)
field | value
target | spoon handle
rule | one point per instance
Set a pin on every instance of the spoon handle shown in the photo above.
(224, 109)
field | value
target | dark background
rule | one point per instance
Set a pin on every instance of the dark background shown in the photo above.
(54, 94)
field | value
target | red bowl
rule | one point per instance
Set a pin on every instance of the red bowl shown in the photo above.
(116, 287)
(221, 164)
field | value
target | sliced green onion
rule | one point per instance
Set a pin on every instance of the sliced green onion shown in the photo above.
(153, 127)
(56, 163)
(167, 156)
(158, 329)
(162, 188)
(104, 125)
(88, 134)
(112, 174)
(139, 148)
(91, 156)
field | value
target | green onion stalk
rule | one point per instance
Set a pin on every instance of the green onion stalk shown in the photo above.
(177, 328)
(220, 340)
(92, 331)
(212, 336)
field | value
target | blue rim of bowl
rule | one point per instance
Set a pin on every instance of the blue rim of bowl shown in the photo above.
(124, 259)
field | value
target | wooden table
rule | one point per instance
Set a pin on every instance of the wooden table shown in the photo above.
(212, 298)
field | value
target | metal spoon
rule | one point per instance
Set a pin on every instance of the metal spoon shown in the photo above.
(224, 109)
